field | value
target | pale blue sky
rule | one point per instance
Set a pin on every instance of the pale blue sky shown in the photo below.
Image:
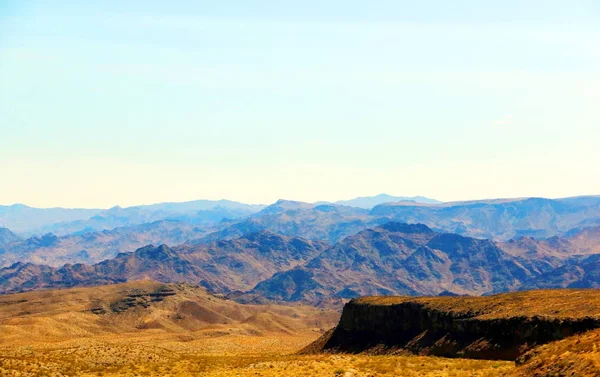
(115, 102)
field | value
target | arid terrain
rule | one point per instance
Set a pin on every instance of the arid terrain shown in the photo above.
(145, 328)
(299, 188)
(574, 356)
(151, 329)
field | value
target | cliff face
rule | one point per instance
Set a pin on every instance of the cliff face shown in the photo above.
(476, 327)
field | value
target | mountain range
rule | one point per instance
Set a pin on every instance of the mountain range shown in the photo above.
(27, 221)
(318, 253)
(222, 266)
(24, 219)
(500, 219)
(96, 246)
(397, 259)
(391, 259)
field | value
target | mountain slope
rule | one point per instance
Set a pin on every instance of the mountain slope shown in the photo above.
(584, 274)
(576, 355)
(241, 263)
(145, 306)
(93, 247)
(325, 222)
(7, 237)
(559, 260)
(397, 259)
(223, 266)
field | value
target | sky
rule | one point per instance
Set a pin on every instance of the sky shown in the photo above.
(124, 103)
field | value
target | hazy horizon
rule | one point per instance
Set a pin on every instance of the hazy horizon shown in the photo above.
(114, 103)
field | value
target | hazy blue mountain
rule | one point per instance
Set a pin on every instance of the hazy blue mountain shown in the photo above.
(525, 221)
(197, 212)
(7, 237)
(369, 202)
(20, 218)
(95, 246)
(200, 205)
(560, 259)
(500, 219)
(325, 222)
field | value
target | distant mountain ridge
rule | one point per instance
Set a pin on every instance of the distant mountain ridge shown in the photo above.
(20, 218)
(95, 246)
(498, 219)
(494, 218)
(27, 220)
(368, 202)
(198, 212)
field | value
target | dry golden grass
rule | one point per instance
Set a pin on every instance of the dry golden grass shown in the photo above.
(555, 303)
(191, 333)
(257, 356)
(574, 356)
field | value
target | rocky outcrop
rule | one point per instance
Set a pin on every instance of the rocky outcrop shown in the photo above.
(135, 298)
(500, 327)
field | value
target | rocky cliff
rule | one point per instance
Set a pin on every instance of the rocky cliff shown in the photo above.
(494, 327)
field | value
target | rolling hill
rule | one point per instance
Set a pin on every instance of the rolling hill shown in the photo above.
(170, 309)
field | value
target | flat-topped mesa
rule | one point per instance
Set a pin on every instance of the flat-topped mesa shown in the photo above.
(500, 327)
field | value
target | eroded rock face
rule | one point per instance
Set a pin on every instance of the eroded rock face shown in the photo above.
(422, 326)
(135, 298)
